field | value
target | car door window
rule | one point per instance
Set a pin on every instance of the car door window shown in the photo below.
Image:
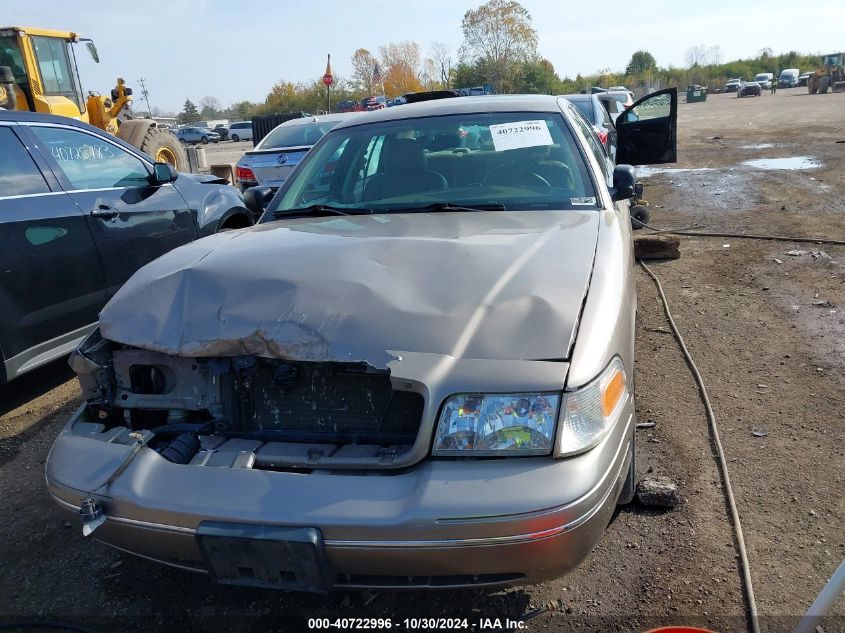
(593, 142)
(655, 107)
(19, 174)
(89, 162)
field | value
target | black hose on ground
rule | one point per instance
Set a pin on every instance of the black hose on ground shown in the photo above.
(723, 464)
(777, 238)
(46, 624)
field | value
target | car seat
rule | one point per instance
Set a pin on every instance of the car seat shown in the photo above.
(405, 172)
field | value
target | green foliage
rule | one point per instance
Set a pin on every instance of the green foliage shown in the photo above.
(189, 112)
(499, 34)
(538, 77)
(642, 62)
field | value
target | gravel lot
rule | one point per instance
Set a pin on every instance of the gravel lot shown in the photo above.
(767, 329)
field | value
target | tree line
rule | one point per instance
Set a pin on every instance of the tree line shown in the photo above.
(499, 50)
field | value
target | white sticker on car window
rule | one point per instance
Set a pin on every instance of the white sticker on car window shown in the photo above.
(520, 134)
(584, 201)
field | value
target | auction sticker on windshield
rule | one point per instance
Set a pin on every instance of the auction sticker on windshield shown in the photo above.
(520, 134)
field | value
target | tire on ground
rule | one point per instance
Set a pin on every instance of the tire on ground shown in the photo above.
(639, 215)
(824, 84)
(159, 140)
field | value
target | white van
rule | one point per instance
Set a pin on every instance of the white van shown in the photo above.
(789, 78)
(764, 79)
(241, 131)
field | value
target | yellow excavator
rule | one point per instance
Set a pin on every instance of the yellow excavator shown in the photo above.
(830, 74)
(39, 73)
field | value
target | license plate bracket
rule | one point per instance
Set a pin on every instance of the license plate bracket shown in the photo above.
(265, 556)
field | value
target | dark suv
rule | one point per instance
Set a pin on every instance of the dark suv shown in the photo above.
(597, 115)
(80, 212)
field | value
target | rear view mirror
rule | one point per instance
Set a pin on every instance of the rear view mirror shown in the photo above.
(624, 183)
(256, 199)
(163, 174)
(93, 50)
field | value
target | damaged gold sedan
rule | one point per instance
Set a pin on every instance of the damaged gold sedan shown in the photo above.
(416, 371)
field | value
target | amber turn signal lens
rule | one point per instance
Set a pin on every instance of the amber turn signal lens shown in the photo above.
(612, 393)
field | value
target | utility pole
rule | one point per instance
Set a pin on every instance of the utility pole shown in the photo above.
(146, 95)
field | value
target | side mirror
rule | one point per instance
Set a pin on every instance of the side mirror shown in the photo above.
(624, 183)
(256, 199)
(163, 174)
(92, 50)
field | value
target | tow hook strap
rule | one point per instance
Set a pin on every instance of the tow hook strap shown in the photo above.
(90, 511)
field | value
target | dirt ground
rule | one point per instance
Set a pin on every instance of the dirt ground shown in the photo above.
(767, 329)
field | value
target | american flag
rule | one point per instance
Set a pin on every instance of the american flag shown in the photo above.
(376, 74)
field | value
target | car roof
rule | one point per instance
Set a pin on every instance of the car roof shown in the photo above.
(584, 97)
(320, 118)
(456, 105)
(37, 117)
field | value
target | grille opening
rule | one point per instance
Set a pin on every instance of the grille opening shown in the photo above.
(338, 403)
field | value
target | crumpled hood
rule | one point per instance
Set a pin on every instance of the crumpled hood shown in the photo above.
(486, 285)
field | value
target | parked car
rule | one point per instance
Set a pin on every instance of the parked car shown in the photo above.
(348, 106)
(624, 97)
(613, 106)
(241, 131)
(803, 77)
(414, 316)
(765, 80)
(373, 102)
(733, 84)
(750, 89)
(276, 155)
(197, 135)
(222, 131)
(597, 115)
(80, 211)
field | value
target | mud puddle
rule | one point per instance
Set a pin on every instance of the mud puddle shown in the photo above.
(791, 163)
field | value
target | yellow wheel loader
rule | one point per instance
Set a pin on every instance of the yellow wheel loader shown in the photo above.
(829, 75)
(38, 73)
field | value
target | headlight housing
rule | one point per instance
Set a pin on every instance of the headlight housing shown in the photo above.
(588, 414)
(477, 425)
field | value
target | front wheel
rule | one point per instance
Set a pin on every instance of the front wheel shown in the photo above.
(204, 140)
(235, 138)
(824, 84)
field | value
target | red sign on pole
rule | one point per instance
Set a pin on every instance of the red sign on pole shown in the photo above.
(328, 80)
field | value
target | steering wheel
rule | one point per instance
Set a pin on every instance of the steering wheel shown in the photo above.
(537, 181)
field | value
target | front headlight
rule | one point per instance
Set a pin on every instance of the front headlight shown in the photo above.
(494, 425)
(589, 413)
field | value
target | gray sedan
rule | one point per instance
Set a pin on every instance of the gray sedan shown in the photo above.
(416, 371)
(275, 156)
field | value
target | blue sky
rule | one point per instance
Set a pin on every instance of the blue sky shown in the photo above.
(238, 50)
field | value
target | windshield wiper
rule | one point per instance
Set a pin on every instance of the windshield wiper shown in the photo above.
(449, 206)
(318, 210)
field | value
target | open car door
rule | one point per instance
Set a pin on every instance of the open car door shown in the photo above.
(647, 131)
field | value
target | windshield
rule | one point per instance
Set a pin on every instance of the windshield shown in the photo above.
(506, 160)
(761, 77)
(297, 134)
